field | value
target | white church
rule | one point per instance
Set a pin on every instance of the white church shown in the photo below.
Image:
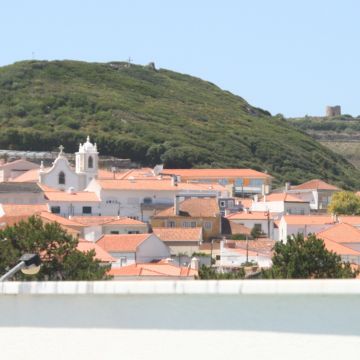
(63, 177)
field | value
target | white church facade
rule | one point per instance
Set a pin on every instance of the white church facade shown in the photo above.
(62, 176)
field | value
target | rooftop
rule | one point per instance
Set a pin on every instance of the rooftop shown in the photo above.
(122, 242)
(285, 197)
(340, 233)
(178, 234)
(23, 187)
(106, 220)
(100, 253)
(194, 207)
(216, 173)
(315, 184)
(154, 269)
(308, 219)
(82, 196)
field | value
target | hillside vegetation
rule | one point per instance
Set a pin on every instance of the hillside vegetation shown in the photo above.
(341, 134)
(154, 116)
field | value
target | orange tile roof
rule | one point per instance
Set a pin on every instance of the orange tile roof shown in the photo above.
(245, 202)
(350, 219)
(339, 248)
(28, 176)
(194, 207)
(315, 184)
(178, 234)
(153, 269)
(12, 163)
(253, 215)
(22, 209)
(142, 173)
(14, 213)
(122, 242)
(216, 173)
(308, 219)
(106, 220)
(340, 233)
(82, 196)
(100, 253)
(106, 174)
(149, 184)
(285, 197)
(44, 187)
(59, 219)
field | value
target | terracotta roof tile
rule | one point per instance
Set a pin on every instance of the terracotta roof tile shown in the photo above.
(122, 242)
(253, 215)
(340, 233)
(194, 207)
(153, 269)
(315, 184)
(82, 196)
(178, 234)
(216, 173)
(308, 219)
(28, 176)
(108, 220)
(339, 248)
(150, 184)
(100, 253)
(285, 197)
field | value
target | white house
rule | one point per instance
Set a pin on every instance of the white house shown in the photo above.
(134, 248)
(317, 192)
(303, 224)
(62, 176)
(282, 204)
(263, 221)
(138, 198)
(73, 203)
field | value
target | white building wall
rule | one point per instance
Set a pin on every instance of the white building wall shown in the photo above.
(152, 249)
(273, 320)
(123, 258)
(93, 233)
(264, 225)
(76, 208)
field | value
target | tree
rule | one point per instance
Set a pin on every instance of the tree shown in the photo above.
(255, 232)
(344, 203)
(60, 258)
(209, 273)
(301, 258)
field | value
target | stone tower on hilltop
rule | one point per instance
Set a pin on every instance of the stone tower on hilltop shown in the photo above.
(333, 111)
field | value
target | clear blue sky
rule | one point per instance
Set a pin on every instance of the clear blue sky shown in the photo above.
(287, 56)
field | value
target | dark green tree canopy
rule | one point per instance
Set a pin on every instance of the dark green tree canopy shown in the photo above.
(301, 258)
(60, 257)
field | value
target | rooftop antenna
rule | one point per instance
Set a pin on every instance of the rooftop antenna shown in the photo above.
(129, 61)
(33, 55)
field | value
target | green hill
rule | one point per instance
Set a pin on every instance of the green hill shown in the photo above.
(154, 116)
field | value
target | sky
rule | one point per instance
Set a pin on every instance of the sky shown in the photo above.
(289, 57)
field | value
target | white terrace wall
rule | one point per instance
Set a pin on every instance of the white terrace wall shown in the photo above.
(180, 320)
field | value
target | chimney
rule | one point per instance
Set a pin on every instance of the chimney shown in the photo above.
(194, 264)
(287, 186)
(176, 205)
(256, 198)
(263, 189)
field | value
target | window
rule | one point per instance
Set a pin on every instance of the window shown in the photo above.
(256, 182)
(61, 179)
(239, 182)
(171, 224)
(207, 225)
(114, 232)
(86, 210)
(223, 182)
(222, 203)
(148, 200)
(189, 224)
(133, 232)
(257, 227)
(55, 209)
(90, 162)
